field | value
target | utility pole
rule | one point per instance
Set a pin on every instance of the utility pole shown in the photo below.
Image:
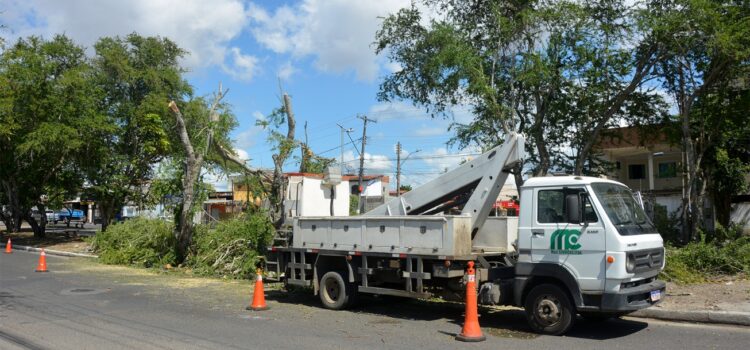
(304, 159)
(398, 169)
(362, 161)
(343, 130)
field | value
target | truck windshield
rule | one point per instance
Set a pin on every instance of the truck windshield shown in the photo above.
(622, 209)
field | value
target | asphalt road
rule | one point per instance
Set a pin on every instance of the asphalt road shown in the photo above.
(84, 305)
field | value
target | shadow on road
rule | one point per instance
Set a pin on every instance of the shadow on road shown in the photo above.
(496, 322)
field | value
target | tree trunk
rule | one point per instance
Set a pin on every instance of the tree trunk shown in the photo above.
(185, 224)
(193, 164)
(277, 186)
(107, 208)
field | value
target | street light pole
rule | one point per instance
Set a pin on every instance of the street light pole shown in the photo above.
(343, 129)
(399, 162)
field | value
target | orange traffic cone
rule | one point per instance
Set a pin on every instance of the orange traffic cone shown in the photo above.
(259, 298)
(42, 267)
(8, 248)
(471, 331)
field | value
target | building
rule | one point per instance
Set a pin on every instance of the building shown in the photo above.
(374, 190)
(649, 164)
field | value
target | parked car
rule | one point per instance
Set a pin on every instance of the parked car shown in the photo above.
(68, 215)
(52, 216)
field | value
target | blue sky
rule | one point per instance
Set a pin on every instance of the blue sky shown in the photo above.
(320, 51)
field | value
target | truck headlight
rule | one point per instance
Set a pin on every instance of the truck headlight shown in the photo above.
(630, 263)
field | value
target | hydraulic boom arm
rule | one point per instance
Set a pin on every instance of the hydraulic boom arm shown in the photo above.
(475, 185)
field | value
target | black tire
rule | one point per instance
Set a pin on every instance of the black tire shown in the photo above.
(549, 310)
(336, 293)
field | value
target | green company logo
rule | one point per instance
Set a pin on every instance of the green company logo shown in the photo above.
(565, 242)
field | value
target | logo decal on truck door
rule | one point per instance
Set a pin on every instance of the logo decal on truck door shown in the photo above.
(565, 242)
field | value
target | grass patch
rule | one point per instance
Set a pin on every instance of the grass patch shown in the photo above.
(704, 261)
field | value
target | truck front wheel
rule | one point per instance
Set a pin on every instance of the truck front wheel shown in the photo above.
(549, 310)
(335, 293)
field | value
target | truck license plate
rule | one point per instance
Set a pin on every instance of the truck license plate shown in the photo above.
(655, 295)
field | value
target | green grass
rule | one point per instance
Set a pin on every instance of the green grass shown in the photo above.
(704, 261)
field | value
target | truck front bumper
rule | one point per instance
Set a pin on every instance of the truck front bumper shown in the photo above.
(633, 298)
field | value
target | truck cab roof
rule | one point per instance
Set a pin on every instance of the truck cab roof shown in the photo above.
(556, 181)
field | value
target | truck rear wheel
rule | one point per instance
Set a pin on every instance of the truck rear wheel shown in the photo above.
(549, 310)
(335, 293)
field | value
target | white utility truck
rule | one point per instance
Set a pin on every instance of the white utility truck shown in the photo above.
(580, 245)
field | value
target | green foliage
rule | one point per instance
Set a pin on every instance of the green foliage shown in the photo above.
(353, 204)
(48, 116)
(235, 248)
(139, 241)
(667, 225)
(278, 141)
(560, 72)
(701, 261)
(136, 76)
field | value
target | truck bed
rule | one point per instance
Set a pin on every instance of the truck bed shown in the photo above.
(413, 235)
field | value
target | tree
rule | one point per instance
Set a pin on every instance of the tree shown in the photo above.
(47, 108)
(136, 75)
(199, 128)
(560, 72)
(707, 48)
(283, 144)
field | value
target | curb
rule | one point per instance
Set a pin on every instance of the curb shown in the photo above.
(51, 252)
(702, 316)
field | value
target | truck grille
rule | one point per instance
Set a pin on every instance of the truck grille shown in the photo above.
(647, 260)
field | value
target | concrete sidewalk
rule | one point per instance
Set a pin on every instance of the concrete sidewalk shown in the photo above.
(699, 316)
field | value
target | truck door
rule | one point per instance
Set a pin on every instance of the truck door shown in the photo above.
(579, 248)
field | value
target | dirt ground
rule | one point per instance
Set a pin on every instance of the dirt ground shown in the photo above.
(66, 242)
(727, 294)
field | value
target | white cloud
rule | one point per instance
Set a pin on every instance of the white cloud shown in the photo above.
(425, 130)
(259, 115)
(242, 154)
(286, 70)
(240, 66)
(204, 28)
(338, 33)
(247, 138)
(374, 163)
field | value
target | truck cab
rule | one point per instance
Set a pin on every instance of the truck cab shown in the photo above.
(592, 238)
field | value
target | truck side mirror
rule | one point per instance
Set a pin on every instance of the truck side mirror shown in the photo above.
(573, 208)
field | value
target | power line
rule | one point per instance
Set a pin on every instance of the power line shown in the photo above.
(437, 156)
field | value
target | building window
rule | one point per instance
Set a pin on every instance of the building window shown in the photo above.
(667, 170)
(636, 171)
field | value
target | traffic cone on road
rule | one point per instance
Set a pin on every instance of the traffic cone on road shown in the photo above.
(42, 267)
(259, 298)
(8, 248)
(471, 331)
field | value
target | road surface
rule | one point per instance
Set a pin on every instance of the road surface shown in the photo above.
(83, 305)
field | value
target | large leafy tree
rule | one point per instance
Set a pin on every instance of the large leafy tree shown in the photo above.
(136, 76)
(560, 72)
(704, 67)
(48, 114)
